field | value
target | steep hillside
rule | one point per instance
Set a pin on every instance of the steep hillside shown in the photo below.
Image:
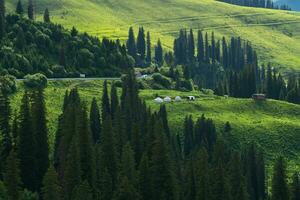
(275, 34)
(273, 125)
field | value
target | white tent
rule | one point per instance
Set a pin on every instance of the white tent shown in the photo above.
(178, 98)
(167, 99)
(158, 100)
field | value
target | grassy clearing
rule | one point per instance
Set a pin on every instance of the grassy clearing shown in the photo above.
(273, 125)
(275, 34)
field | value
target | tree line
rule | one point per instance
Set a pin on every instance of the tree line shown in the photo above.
(29, 47)
(228, 67)
(123, 150)
(258, 3)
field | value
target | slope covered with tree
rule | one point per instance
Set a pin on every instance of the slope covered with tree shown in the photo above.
(274, 34)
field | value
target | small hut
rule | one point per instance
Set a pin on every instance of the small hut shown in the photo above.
(259, 97)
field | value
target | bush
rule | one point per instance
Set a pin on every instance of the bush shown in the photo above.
(35, 81)
(162, 80)
(8, 84)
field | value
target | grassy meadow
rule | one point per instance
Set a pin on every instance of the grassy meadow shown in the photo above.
(273, 125)
(275, 34)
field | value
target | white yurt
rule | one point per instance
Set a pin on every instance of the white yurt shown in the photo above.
(178, 98)
(167, 99)
(158, 100)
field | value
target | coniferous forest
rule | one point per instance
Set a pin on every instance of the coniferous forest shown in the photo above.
(120, 148)
(126, 151)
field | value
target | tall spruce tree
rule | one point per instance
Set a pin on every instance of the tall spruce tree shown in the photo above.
(159, 53)
(148, 56)
(47, 16)
(38, 110)
(51, 189)
(12, 177)
(19, 8)
(141, 43)
(30, 10)
(2, 18)
(6, 142)
(279, 181)
(27, 146)
(200, 50)
(191, 46)
(162, 172)
(114, 100)
(295, 187)
(131, 45)
(83, 191)
(95, 122)
(105, 102)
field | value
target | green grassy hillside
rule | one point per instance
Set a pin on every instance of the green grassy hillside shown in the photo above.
(273, 125)
(275, 34)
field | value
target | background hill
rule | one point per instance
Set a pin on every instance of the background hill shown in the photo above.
(275, 34)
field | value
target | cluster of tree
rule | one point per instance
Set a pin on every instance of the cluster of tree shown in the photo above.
(258, 3)
(34, 47)
(260, 80)
(140, 48)
(124, 151)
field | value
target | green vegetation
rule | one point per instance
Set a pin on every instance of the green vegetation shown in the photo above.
(273, 125)
(275, 34)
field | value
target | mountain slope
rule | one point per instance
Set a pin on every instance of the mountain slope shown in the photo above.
(273, 125)
(275, 34)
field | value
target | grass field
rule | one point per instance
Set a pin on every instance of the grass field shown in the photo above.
(273, 125)
(275, 34)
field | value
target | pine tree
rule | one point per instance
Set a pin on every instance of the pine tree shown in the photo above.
(27, 147)
(72, 170)
(279, 180)
(237, 180)
(105, 102)
(109, 158)
(51, 189)
(162, 172)
(141, 43)
(220, 187)
(2, 18)
(85, 146)
(145, 177)
(200, 52)
(12, 178)
(295, 188)
(46, 16)
(148, 57)
(164, 117)
(40, 129)
(62, 56)
(114, 100)
(30, 10)
(191, 46)
(19, 8)
(128, 176)
(83, 191)
(6, 142)
(159, 53)
(202, 183)
(95, 122)
(131, 46)
(207, 51)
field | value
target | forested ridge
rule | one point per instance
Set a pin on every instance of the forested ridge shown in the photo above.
(29, 47)
(122, 150)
